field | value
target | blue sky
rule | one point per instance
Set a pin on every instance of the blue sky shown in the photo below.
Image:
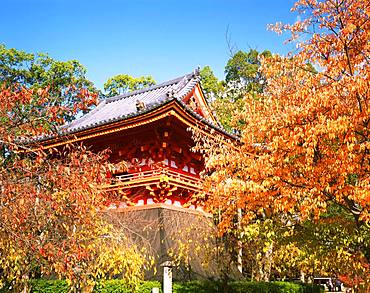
(164, 39)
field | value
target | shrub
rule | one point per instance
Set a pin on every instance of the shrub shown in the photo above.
(249, 287)
(197, 286)
(204, 286)
(111, 286)
(104, 286)
(49, 286)
(243, 287)
(273, 287)
(147, 286)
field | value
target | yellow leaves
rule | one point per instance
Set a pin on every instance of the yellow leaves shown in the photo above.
(307, 133)
(51, 218)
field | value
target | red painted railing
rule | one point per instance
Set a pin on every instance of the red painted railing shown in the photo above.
(157, 175)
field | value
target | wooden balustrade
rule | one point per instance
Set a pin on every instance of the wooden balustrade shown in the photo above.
(149, 177)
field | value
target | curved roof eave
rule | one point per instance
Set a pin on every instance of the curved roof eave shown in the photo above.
(102, 129)
(107, 113)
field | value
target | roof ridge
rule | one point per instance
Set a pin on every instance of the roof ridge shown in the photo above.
(152, 96)
(150, 88)
(105, 112)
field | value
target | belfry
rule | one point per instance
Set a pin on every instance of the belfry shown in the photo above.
(155, 172)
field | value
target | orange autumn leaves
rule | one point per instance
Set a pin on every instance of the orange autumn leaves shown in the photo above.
(316, 123)
(305, 140)
(49, 212)
(26, 113)
(51, 219)
(305, 143)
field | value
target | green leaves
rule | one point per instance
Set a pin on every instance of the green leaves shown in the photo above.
(124, 83)
(243, 67)
(65, 80)
(210, 84)
(242, 78)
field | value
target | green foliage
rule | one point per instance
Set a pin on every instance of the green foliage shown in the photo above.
(244, 287)
(210, 84)
(242, 78)
(63, 79)
(273, 287)
(13, 65)
(40, 70)
(146, 287)
(110, 286)
(204, 286)
(123, 83)
(120, 286)
(335, 236)
(197, 286)
(104, 286)
(249, 287)
(49, 286)
(243, 66)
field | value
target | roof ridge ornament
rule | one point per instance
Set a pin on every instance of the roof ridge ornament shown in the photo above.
(172, 93)
(196, 71)
(140, 105)
(182, 83)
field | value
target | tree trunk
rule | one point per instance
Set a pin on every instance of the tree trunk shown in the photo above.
(262, 270)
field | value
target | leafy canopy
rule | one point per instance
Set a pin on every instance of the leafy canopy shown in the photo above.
(210, 83)
(305, 137)
(65, 80)
(124, 83)
(243, 67)
(51, 219)
(242, 77)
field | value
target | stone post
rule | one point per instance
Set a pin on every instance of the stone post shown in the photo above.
(167, 276)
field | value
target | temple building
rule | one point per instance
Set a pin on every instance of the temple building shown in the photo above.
(156, 173)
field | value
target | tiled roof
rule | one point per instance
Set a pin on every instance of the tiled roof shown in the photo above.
(124, 106)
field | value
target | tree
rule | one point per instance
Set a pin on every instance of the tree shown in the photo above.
(243, 67)
(65, 80)
(305, 139)
(51, 204)
(242, 77)
(123, 83)
(210, 83)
